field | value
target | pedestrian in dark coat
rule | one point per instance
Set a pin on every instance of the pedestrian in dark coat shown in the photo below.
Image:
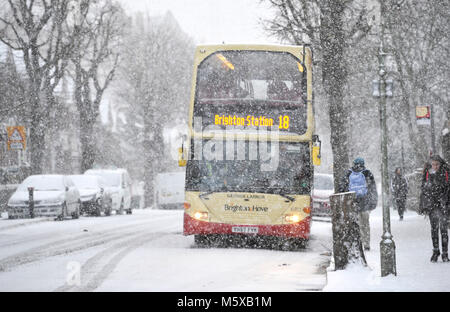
(399, 190)
(365, 203)
(435, 203)
(426, 167)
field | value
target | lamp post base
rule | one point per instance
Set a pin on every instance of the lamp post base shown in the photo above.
(387, 253)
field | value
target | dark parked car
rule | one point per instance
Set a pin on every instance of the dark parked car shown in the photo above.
(323, 188)
(94, 198)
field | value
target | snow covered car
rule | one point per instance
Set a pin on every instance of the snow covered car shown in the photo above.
(137, 197)
(323, 188)
(94, 198)
(169, 190)
(118, 186)
(53, 196)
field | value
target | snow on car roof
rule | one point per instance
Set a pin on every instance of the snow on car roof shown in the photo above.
(43, 182)
(111, 177)
(87, 181)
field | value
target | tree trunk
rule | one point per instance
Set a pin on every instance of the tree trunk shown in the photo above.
(37, 140)
(37, 132)
(347, 246)
(160, 160)
(334, 77)
(149, 149)
(87, 140)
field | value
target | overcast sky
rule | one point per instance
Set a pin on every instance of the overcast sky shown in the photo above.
(212, 21)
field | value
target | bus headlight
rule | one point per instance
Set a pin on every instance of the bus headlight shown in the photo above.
(201, 215)
(292, 218)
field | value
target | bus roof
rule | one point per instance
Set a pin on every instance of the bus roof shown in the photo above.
(252, 46)
(294, 49)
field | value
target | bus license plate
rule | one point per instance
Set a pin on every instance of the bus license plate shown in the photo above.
(245, 229)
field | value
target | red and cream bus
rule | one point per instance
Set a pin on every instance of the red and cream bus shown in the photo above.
(249, 154)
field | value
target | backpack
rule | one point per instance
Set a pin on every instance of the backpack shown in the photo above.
(358, 184)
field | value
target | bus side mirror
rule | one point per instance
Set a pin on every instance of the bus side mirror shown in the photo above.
(182, 161)
(182, 153)
(316, 150)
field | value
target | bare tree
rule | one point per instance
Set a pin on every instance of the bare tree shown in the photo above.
(154, 85)
(38, 30)
(330, 27)
(13, 90)
(95, 58)
(419, 35)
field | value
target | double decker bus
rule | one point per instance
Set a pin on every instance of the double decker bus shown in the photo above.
(251, 145)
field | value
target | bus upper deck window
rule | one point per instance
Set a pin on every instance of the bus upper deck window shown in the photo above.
(277, 90)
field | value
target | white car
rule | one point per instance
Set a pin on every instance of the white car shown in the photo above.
(137, 198)
(53, 195)
(118, 186)
(94, 198)
(323, 188)
(169, 190)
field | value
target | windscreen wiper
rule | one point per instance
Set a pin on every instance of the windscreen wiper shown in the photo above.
(286, 196)
(205, 194)
(292, 199)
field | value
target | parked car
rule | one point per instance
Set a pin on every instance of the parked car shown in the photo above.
(323, 188)
(118, 186)
(169, 190)
(53, 195)
(94, 198)
(137, 195)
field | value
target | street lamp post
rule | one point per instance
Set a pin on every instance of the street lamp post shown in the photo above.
(383, 88)
(433, 135)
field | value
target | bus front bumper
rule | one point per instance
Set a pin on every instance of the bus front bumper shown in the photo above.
(298, 230)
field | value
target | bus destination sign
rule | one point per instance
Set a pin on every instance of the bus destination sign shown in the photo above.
(251, 121)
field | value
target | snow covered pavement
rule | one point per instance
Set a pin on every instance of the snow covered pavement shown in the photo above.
(415, 272)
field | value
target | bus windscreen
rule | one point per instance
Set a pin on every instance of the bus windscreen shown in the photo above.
(251, 89)
(255, 167)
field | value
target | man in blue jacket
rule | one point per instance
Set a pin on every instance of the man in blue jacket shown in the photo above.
(361, 181)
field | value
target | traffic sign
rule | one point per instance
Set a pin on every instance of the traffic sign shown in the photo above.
(423, 115)
(16, 145)
(16, 137)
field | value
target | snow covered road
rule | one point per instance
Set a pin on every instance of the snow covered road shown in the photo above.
(146, 251)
